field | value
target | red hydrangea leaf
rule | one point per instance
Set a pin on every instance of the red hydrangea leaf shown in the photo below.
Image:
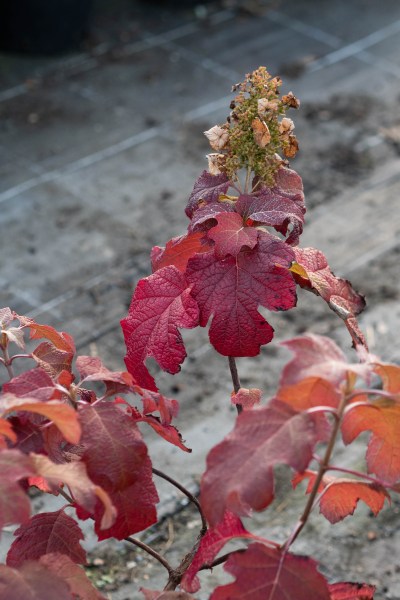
(341, 498)
(79, 584)
(312, 272)
(382, 418)
(239, 475)
(265, 208)
(308, 393)
(29, 436)
(231, 235)
(32, 581)
(61, 340)
(14, 503)
(207, 188)
(213, 541)
(178, 251)
(351, 591)
(91, 368)
(52, 360)
(169, 432)
(84, 491)
(231, 290)
(318, 356)
(161, 303)
(247, 398)
(44, 533)
(135, 506)
(35, 383)
(264, 573)
(159, 595)
(127, 474)
(206, 216)
(62, 415)
(155, 402)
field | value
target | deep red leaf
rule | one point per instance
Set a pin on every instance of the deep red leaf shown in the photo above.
(382, 418)
(33, 581)
(161, 303)
(34, 383)
(264, 573)
(239, 475)
(207, 188)
(29, 436)
(214, 540)
(312, 272)
(351, 591)
(178, 251)
(206, 217)
(91, 368)
(116, 458)
(14, 503)
(231, 235)
(44, 533)
(79, 584)
(169, 432)
(231, 290)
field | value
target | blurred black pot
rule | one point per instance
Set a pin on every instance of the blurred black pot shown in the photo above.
(43, 26)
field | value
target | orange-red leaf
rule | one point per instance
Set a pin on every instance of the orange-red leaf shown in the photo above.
(178, 251)
(62, 415)
(382, 418)
(351, 591)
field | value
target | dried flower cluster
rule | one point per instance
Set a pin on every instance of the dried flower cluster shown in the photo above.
(257, 130)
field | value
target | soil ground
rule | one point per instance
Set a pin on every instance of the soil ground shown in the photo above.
(98, 154)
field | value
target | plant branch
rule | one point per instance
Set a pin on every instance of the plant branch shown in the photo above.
(20, 356)
(324, 465)
(188, 494)
(235, 380)
(362, 476)
(150, 551)
(220, 560)
(65, 495)
(7, 362)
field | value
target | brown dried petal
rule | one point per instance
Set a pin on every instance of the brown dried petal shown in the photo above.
(291, 100)
(261, 132)
(286, 125)
(291, 150)
(217, 136)
(215, 162)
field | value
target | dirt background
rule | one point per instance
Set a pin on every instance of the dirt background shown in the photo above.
(99, 150)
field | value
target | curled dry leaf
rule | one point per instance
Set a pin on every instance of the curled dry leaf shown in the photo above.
(286, 125)
(261, 132)
(292, 148)
(291, 100)
(217, 136)
(215, 162)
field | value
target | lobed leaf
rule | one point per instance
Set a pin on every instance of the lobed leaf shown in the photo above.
(312, 272)
(230, 290)
(239, 475)
(161, 303)
(264, 573)
(211, 543)
(382, 418)
(206, 189)
(230, 235)
(178, 251)
(44, 533)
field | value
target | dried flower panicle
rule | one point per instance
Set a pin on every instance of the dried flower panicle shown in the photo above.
(257, 132)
